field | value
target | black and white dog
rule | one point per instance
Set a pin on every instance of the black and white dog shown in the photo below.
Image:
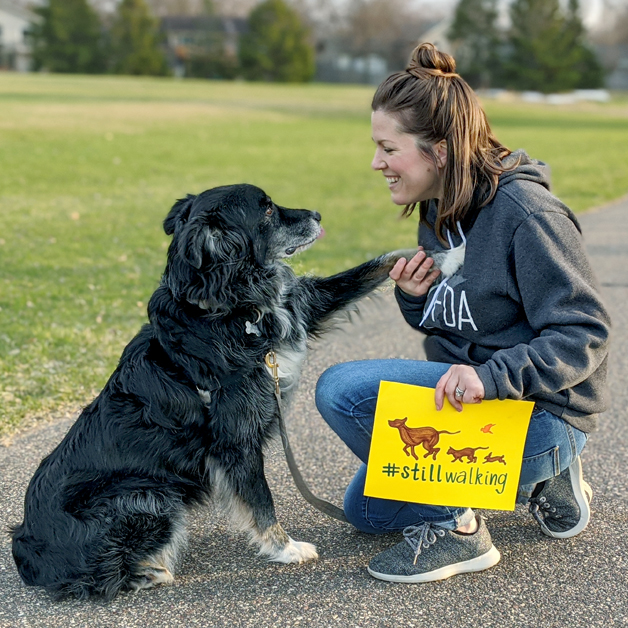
(186, 414)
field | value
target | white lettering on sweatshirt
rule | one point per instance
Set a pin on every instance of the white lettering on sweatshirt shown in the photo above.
(445, 305)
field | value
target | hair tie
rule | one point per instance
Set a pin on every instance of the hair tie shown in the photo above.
(420, 72)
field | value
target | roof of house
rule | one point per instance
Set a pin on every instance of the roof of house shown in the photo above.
(18, 11)
(203, 22)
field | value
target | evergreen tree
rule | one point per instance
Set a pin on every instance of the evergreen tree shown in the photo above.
(276, 47)
(588, 66)
(68, 39)
(548, 52)
(135, 41)
(475, 34)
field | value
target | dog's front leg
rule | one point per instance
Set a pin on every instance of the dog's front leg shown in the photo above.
(245, 495)
(324, 296)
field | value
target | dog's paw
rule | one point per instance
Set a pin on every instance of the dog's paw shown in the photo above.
(294, 552)
(450, 261)
(151, 577)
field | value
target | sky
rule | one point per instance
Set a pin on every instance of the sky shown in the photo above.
(592, 10)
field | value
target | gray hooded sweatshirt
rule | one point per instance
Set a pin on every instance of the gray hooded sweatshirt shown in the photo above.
(524, 310)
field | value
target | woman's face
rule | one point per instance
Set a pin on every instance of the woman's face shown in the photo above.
(411, 176)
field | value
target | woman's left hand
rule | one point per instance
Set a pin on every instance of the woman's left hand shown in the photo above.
(460, 377)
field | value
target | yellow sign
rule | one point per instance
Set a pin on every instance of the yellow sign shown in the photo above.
(446, 458)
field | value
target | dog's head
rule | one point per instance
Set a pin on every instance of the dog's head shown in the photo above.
(227, 236)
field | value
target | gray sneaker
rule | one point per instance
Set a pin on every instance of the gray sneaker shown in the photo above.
(561, 504)
(429, 552)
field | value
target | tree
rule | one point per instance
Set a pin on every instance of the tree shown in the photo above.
(476, 37)
(387, 28)
(135, 41)
(180, 7)
(276, 47)
(611, 37)
(69, 38)
(587, 64)
(548, 51)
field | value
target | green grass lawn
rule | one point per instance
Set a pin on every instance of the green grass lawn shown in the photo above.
(89, 167)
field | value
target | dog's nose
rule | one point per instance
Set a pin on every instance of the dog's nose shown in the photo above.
(316, 216)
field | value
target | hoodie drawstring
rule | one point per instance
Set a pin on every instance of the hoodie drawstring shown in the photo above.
(443, 283)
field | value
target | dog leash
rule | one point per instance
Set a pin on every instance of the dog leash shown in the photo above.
(320, 504)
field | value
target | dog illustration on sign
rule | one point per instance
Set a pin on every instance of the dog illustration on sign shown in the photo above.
(414, 436)
(467, 452)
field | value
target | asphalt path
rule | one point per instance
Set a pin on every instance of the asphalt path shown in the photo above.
(539, 582)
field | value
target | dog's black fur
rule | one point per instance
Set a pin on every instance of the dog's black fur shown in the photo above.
(186, 414)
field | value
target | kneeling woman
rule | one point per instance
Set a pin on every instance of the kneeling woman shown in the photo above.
(529, 322)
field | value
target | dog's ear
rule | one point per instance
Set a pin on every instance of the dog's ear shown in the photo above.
(213, 245)
(178, 214)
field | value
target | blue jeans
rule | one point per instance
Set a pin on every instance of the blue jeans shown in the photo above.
(346, 395)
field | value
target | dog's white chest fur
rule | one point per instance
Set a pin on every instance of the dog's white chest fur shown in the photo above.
(289, 362)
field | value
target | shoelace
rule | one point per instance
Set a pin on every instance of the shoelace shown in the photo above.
(540, 506)
(421, 537)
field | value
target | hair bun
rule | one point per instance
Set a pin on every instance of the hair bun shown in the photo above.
(426, 57)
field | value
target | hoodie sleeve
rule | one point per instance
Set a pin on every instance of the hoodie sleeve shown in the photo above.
(562, 304)
(411, 308)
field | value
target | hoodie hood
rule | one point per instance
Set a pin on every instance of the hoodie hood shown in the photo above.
(526, 170)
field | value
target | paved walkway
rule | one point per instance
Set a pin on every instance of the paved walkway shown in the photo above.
(581, 582)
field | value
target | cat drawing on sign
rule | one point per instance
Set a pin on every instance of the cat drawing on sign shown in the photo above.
(467, 452)
(490, 458)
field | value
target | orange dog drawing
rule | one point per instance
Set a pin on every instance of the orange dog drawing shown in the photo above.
(414, 436)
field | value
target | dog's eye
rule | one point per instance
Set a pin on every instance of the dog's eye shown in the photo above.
(269, 211)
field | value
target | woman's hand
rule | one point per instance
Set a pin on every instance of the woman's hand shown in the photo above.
(459, 377)
(415, 277)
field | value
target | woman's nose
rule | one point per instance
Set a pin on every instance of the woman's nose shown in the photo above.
(377, 163)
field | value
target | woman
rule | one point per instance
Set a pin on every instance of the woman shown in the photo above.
(521, 319)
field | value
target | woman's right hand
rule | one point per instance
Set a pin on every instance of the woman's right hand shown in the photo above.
(416, 276)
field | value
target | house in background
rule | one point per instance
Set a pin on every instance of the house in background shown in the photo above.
(618, 77)
(437, 34)
(15, 23)
(187, 37)
(614, 58)
(334, 65)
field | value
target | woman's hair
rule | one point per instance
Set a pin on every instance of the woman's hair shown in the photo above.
(432, 102)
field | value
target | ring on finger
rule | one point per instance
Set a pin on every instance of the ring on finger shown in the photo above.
(458, 393)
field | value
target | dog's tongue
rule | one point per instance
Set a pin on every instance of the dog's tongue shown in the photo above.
(321, 234)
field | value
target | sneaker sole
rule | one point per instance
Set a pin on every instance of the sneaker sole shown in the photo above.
(583, 493)
(480, 563)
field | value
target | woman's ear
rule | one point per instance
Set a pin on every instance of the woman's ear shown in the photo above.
(440, 150)
(178, 214)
